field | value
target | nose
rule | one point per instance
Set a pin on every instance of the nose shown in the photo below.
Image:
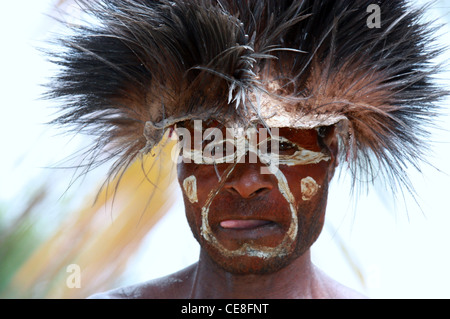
(248, 182)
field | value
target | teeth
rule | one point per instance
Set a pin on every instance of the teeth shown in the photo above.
(243, 224)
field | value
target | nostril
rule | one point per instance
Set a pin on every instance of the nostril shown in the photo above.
(259, 192)
(247, 192)
(247, 182)
(232, 190)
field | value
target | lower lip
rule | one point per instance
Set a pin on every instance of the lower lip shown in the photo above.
(232, 233)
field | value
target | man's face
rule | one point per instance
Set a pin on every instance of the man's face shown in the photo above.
(252, 217)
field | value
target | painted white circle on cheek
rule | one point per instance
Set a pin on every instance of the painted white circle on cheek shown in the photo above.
(190, 188)
(309, 188)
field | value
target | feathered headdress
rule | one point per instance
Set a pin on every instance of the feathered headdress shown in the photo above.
(147, 65)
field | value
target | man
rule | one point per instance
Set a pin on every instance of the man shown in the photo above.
(296, 87)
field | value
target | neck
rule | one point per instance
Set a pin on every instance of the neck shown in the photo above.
(298, 280)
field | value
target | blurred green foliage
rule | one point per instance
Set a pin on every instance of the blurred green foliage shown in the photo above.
(19, 237)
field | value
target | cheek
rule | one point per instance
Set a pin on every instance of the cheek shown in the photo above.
(196, 182)
(309, 188)
(310, 191)
(188, 182)
(308, 182)
(187, 179)
(190, 189)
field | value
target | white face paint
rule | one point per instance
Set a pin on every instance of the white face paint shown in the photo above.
(190, 188)
(309, 188)
(300, 157)
(255, 250)
(243, 145)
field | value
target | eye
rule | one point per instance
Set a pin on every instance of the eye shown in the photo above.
(287, 148)
(219, 149)
(210, 148)
(284, 148)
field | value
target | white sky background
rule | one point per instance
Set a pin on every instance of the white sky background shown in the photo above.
(402, 254)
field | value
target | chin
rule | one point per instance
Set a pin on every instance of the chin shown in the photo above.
(245, 265)
(253, 261)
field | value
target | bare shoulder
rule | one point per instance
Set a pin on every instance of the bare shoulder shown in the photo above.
(331, 289)
(174, 286)
(339, 291)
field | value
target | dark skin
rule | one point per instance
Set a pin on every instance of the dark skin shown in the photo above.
(251, 211)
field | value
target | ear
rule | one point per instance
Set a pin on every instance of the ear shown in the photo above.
(329, 141)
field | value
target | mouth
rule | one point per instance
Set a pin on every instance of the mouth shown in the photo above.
(259, 225)
(234, 232)
(243, 224)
